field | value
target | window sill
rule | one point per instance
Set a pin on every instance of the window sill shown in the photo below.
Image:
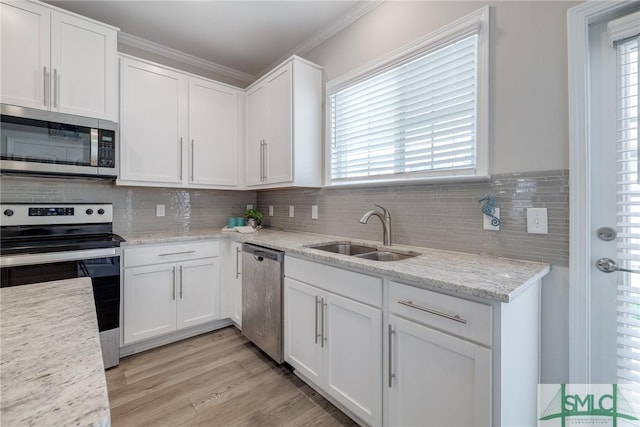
(412, 181)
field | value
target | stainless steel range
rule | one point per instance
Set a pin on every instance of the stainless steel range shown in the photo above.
(55, 241)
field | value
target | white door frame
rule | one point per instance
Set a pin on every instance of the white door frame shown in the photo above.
(578, 20)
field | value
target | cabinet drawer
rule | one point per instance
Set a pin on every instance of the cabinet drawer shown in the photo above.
(357, 286)
(170, 253)
(458, 316)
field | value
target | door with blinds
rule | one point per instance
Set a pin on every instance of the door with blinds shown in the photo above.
(615, 202)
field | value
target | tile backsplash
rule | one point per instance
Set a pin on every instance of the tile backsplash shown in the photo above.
(134, 208)
(442, 216)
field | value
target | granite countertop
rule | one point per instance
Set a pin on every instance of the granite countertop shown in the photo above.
(51, 370)
(489, 278)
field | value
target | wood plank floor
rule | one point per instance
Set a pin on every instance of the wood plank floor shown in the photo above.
(215, 379)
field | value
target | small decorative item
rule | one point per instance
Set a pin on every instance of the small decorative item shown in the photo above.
(489, 207)
(253, 217)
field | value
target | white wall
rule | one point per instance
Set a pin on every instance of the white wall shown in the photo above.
(529, 124)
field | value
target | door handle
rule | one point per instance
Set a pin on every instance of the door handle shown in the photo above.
(55, 88)
(264, 159)
(173, 294)
(180, 158)
(316, 329)
(180, 282)
(45, 87)
(607, 265)
(390, 343)
(322, 337)
(192, 158)
(237, 262)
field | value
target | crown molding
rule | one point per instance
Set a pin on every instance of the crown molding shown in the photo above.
(343, 22)
(149, 46)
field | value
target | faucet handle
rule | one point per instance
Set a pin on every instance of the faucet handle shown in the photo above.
(385, 211)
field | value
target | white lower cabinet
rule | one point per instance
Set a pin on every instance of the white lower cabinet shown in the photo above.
(335, 343)
(169, 295)
(436, 379)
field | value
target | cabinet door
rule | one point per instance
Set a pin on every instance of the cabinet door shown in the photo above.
(279, 163)
(302, 346)
(235, 280)
(198, 292)
(153, 106)
(149, 301)
(25, 54)
(256, 111)
(213, 134)
(84, 63)
(353, 361)
(438, 380)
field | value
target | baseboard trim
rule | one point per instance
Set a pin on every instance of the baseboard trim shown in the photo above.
(150, 343)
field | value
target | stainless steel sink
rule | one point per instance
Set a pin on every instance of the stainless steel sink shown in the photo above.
(344, 248)
(387, 256)
(364, 251)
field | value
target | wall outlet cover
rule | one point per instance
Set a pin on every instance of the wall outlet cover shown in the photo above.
(486, 221)
(291, 212)
(314, 211)
(537, 221)
(160, 210)
(270, 210)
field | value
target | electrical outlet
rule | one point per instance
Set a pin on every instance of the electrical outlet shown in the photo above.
(314, 211)
(270, 210)
(159, 210)
(249, 206)
(537, 221)
(486, 222)
(291, 212)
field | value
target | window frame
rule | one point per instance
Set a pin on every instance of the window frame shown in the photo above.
(478, 23)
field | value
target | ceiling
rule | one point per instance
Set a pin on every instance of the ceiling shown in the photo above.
(246, 36)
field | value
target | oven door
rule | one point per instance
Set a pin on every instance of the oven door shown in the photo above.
(104, 272)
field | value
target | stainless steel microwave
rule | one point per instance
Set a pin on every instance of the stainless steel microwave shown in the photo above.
(44, 142)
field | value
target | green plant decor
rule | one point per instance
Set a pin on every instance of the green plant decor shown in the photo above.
(253, 213)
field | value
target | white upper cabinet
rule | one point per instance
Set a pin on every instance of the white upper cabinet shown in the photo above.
(175, 129)
(284, 136)
(152, 123)
(213, 133)
(57, 61)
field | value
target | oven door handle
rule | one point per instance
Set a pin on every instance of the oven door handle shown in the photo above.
(51, 257)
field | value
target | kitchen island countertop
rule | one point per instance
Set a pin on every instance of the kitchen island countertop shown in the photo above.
(489, 278)
(51, 369)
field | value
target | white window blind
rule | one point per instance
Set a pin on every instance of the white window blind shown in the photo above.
(628, 192)
(413, 119)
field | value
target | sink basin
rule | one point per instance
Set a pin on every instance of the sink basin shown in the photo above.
(344, 248)
(387, 256)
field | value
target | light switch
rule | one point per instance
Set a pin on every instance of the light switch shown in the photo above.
(537, 222)
(159, 210)
(314, 211)
(270, 210)
(291, 212)
(486, 223)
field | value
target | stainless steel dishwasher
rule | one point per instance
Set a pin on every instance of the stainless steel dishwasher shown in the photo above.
(262, 294)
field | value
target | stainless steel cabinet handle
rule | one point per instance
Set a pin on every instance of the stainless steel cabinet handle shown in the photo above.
(322, 310)
(177, 253)
(237, 262)
(45, 87)
(262, 174)
(316, 328)
(192, 158)
(180, 282)
(180, 158)
(453, 317)
(607, 265)
(390, 343)
(55, 88)
(264, 159)
(173, 294)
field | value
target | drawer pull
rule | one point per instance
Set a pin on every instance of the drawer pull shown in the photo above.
(178, 253)
(453, 317)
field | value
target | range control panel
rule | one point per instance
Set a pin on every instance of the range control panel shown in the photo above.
(58, 213)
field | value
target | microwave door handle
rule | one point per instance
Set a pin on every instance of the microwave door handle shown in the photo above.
(94, 148)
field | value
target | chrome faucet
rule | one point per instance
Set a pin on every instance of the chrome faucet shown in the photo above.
(385, 217)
